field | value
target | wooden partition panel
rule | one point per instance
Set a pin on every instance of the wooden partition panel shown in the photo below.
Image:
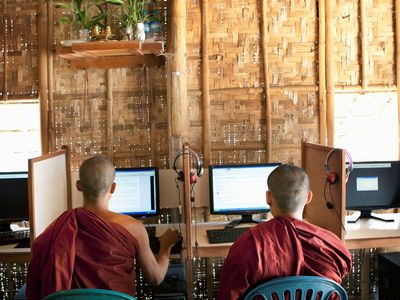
(49, 181)
(327, 208)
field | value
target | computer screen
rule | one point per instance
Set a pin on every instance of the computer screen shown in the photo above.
(136, 193)
(14, 204)
(372, 186)
(239, 189)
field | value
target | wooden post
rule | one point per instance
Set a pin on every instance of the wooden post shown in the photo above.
(321, 73)
(329, 72)
(42, 75)
(364, 44)
(397, 3)
(264, 45)
(50, 75)
(110, 100)
(205, 88)
(188, 219)
(176, 73)
(5, 89)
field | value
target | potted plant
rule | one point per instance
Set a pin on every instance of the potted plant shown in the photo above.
(132, 13)
(85, 15)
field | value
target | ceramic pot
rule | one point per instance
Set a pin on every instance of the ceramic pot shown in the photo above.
(140, 33)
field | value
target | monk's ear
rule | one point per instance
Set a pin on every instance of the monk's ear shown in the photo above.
(269, 197)
(112, 188)
(309, 197)
(78, 185)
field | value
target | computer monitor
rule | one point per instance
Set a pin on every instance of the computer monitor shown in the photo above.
(239, 190)
(136, 193)
(14, 204)
(373, 185)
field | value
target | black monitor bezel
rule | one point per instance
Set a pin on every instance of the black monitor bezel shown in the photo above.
(157, 194)
(369, 206)
(235, 212)
(18, 219)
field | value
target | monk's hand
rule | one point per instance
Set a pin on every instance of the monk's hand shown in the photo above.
(169, 238)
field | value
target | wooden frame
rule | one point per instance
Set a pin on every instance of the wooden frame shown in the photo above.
(327, 208)
(46, 172)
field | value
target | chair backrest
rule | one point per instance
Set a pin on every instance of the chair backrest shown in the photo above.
(88, 294)
(298, 287)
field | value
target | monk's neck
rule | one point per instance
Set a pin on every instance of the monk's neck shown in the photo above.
(95, 207)
(298, 216)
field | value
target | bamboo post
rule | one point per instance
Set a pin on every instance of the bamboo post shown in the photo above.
(110, 100)
(329, 72)
(178, 115)
(264, 45)
(5, 89)
(153, 116)
(42, 75)
(205, 89)
(50, 73)
(397, 8)
(321, 72)
(364, 44)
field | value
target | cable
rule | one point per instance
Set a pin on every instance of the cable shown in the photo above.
(330, 204)
(192, 192)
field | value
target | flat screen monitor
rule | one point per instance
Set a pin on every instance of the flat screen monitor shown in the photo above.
(136, 193)
(373, 185)
(239, 190)
(14, 204)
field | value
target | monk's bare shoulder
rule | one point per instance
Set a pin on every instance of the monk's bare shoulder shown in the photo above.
(131, 224)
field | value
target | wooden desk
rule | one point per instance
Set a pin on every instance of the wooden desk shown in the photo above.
(366, 233)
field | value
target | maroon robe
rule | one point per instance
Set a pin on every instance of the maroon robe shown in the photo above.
(81, 250)
(283, 246)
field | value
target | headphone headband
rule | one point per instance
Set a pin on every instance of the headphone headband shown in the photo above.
(199, 168)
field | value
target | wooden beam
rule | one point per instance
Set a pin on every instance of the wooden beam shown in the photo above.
(50, 71)
(268, 104)
(110, 103)
(321, 73)
(5, 42)
(205, 88)
(178, 115)
(397, 8)
(364, 44)
(117, 62)
(43, 75)
(330, 63)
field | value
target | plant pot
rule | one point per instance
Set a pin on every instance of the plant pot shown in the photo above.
(127, 33)
(84, 34)
(140, 33)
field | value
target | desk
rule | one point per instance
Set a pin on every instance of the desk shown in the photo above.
(366, 233)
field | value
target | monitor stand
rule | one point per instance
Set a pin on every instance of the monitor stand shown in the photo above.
(244, 219)
(367, 214)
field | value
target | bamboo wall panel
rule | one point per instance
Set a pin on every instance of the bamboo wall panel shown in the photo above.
(346, 41)
(20, 31)
(2, 25)
(381, 42)
(293, 55)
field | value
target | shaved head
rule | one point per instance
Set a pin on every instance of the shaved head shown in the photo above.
(96, 176)
(289, 185)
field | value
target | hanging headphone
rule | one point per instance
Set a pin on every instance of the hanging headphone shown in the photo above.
(332, 176)
(192, 176)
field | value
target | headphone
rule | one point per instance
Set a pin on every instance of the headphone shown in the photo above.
(193, 176)
(332, 176)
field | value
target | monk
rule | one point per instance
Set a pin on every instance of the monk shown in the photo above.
(92, 247)
(286, 245)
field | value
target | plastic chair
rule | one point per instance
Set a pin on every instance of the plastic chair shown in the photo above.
(298, 287)
(88, 294)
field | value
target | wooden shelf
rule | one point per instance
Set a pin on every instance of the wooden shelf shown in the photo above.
(113, 54)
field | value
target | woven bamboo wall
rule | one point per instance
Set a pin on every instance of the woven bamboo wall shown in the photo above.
(18, 35)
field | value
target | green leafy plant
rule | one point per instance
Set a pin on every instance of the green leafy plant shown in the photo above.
(85, 13)
(132, 12)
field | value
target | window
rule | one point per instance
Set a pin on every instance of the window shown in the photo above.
(367, 125)
(19, 134)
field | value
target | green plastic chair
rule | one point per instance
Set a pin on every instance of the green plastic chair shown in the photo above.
(297, 288)
(88, 294)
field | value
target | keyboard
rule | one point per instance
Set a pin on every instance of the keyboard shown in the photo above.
(216, 236)
(14, 237)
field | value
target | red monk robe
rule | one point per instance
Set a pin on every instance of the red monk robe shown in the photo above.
(79, 249)
(281, 247)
